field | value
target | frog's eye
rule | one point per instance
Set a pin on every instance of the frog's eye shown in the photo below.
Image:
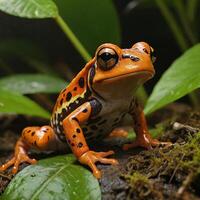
(106, 58)
(153, 55)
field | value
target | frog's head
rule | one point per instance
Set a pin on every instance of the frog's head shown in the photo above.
(117, 68)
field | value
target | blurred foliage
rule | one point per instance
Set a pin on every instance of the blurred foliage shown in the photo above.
(32, 83)
(11, 102)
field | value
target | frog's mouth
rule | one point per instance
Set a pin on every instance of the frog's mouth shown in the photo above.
(143, 75)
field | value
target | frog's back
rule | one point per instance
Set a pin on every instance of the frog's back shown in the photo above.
(70, 98)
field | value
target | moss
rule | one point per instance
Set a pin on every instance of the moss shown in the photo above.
(141, 187)
(149, 171)
(138, 178)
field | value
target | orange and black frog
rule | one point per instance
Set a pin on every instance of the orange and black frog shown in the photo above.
(96, 102)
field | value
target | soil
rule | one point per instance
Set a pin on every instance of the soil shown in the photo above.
(160, 173)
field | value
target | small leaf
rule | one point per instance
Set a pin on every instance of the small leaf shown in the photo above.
(57, 178)
(93, 22)
(32, 83)
(182, 77)
(15, 103)
(29, 8)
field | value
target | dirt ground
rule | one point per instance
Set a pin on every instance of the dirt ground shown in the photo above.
(159, 173)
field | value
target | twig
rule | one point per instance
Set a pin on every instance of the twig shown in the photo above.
(175, 170)
(5, 176)
(184, 186)
(174, 26)
(178, 126)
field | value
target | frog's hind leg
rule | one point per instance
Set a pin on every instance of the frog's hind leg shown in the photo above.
(119, 132)
(40, 138)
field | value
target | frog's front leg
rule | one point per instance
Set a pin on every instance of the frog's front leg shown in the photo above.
(143, 137)
(77, 142)
(40, 138)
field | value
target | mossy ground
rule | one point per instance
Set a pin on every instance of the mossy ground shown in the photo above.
(165, 173)
(159, 173)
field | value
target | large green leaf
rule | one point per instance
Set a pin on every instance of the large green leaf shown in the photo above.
(16, 103)
(32, 83)
(93, 22)
(29, 8)
(182, 77)
(57, 178)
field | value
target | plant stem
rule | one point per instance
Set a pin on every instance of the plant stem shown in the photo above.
(172, 24)
(77, 44)
(194, 99)
(185, 21)
(186, 25)
(182, 42)
(192, 8)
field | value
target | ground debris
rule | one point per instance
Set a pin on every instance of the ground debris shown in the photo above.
(162, 173)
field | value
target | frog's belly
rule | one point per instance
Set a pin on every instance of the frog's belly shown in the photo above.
(98, 127)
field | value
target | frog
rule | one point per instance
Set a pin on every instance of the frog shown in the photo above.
(98, 101)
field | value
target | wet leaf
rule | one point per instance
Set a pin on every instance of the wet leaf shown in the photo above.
(32, 83)
(93, 22)
(29, 8)
(58, 178)
(182, 77)
(13, 103)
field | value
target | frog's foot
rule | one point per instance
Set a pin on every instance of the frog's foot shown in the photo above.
(146, 142)
(19, 157)
(91, 157)
(16, 161)
(118, 132)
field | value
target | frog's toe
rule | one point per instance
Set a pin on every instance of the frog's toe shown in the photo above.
(16, 161)
(108, 161)
(162, 144)
(91, 157)
(22, 159)
(105, 154)
(7, 165)
(137, 143)
(147, 144)
(101, 157)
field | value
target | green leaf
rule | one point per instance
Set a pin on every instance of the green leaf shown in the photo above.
(57, 178)
(93, 22)
(29, 8)
(32, 83)
(182, 77)
(15, 103)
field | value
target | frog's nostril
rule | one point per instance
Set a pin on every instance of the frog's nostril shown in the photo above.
(133, 58)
